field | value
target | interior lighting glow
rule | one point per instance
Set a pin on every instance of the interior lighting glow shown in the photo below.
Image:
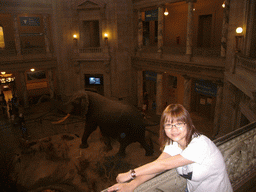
(239, 30)
(2, 43)
(166, 12)
(32, 69)
(223, 5)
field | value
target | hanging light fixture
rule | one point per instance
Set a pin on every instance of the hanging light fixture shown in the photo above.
(166, 12)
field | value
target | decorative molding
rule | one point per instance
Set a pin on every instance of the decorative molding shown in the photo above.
(18, 3)
(190, 69)
(191, 1)
(90, 5)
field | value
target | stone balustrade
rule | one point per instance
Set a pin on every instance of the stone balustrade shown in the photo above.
(239, 151)
(91, 50)
(246, 63)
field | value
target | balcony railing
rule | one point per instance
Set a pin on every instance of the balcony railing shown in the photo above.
(9, 52)
(91, 50)
(246, 63)
(92, 53)
(239, 151)
(197, 51)
(33, 50)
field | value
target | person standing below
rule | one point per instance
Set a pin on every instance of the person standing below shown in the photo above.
(145, 102)
(194, 156)
(2, 99)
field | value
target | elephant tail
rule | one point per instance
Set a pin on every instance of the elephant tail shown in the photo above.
(63, 119)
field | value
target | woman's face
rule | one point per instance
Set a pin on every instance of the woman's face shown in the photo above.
(176, 131)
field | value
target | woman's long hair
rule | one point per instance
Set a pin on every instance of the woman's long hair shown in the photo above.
(176, 112)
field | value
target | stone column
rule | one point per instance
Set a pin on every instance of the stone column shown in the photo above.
(17, 36)
(140, 31)
(225, 29)
(51, 85)
(159, 94)
(24, 89)
(140, 88)
(187, 92)
(46, 38)
(189, 28)
(217, 113)
(160, 29)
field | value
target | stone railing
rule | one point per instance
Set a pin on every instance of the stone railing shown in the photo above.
(246, 63)
(197, 51)
(33, 50)
(91, 50)
(239, 151)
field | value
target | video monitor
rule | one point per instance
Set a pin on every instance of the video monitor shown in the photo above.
(94, 81)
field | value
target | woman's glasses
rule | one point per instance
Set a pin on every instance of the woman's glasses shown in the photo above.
(169, 126)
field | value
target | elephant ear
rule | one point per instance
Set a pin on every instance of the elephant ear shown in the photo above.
(84, 105)
(83, 98)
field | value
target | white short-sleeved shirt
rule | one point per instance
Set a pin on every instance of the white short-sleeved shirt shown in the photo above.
(208, 173)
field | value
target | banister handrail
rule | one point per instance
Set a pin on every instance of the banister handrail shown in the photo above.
(246, 62)
(225, 138)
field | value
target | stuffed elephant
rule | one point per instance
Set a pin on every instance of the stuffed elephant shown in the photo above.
(116, 120)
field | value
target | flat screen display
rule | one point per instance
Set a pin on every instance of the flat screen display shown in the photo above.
(94, 81)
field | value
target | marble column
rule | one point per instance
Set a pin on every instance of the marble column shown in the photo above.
(159, 94)
(17, 36)
(217, 112)
(225, 29)
(187, 92)
(46, 37)
(160, 29)
(24, 89)
(140, 88)
(51, 85)
(189, 39)
(140, 31)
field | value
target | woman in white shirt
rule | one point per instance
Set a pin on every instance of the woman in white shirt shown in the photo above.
(194, 156)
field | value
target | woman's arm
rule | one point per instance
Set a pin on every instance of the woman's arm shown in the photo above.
(133, 184)
(130, 186)
(164, 163)
(161, 165)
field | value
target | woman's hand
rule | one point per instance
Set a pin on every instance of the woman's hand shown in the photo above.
(123, 177)
(121, 187)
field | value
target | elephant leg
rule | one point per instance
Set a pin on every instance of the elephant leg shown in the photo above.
(123, 145)
(107, 142)
(148, 148)
(89, 128)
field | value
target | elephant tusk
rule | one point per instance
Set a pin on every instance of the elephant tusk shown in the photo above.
(63, 119)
